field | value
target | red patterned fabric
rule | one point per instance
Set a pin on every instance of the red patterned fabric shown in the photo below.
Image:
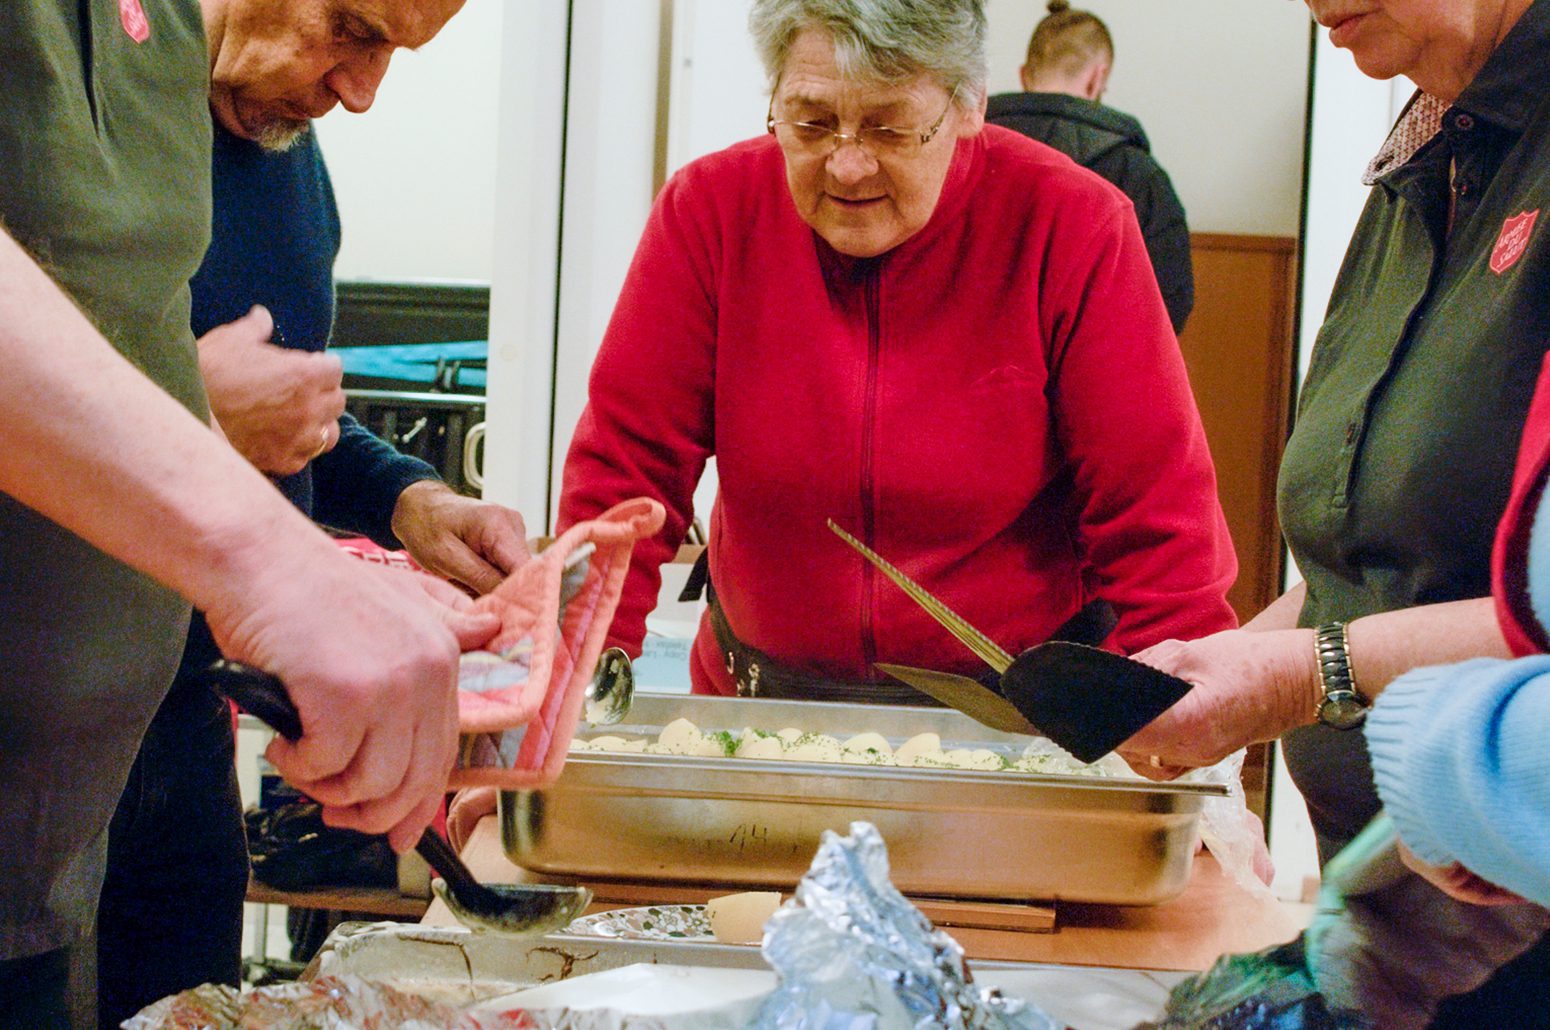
(557, 639)
(367, 550)
(520, 697)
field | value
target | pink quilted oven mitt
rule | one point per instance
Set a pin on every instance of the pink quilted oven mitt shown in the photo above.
(521, 696)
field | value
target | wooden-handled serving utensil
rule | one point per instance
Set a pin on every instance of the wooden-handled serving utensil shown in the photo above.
(1087, 700)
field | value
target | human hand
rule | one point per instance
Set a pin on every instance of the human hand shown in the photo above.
(1457, 882)
(462, 538)
(279, 408)
(1248, 687)
(369, 657)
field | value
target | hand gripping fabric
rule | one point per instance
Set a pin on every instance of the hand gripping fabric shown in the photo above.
(521, 696)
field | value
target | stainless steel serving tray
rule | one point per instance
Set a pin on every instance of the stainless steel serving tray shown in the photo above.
(735, 822)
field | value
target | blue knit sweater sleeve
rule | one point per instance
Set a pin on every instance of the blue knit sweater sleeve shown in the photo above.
(1462, 764)
(356, 485)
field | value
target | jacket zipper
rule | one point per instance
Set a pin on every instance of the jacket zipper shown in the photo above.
(871, 295)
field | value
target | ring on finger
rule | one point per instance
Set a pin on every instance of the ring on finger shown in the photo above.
(322, 443)
(1155, 762)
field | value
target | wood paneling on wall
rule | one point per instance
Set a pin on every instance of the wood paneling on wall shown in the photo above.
(1238, 348)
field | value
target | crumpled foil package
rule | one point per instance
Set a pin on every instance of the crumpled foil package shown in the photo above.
(853, 954)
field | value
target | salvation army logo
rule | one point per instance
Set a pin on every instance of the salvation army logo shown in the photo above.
(132, 15)
(1513, 241)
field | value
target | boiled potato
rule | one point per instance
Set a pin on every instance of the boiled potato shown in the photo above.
(918, 744)
(680, 737)
(814, 747)
(609, 743)
(761, 747)
(740, 918)
(875, 743)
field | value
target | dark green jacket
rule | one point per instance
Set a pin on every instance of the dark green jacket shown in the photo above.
(1402, 458)
(1408, 424)
(1114, 145)
(105, 178)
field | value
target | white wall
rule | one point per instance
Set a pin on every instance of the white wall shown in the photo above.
(523, 297)
(415, 176)
(1220, 86)
(615, 66)
(719, 95)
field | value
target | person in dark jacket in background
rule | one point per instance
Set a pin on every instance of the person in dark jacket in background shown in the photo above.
(1069, 57)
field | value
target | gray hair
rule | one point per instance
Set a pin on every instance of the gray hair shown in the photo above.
(883, 40)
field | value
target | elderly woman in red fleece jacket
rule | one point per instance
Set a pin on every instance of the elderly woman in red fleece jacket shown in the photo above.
(944, 336)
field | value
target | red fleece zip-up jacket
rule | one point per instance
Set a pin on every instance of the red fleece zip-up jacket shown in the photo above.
(997, 405)
(1510, 558)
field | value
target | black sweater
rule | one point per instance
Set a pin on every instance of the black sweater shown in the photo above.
(1114, 145)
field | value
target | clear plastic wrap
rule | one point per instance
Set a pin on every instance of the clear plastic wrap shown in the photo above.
(1225, 827)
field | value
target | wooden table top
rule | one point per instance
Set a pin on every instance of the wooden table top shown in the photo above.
(1212, 917)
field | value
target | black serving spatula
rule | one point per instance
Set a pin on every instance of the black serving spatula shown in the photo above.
(516, 910)
(1087, 700)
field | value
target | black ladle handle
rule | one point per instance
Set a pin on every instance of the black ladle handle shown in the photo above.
(258, 693)
(440, 856)
(263, 695)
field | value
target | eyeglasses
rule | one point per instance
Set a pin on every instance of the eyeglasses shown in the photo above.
(876, 140)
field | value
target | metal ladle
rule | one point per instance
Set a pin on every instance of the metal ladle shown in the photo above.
(520, 910)
(611, 690)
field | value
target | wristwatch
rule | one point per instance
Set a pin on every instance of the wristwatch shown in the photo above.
(1343, 706)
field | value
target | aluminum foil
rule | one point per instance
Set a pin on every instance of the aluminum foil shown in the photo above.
(327, 1003)
(853, 954)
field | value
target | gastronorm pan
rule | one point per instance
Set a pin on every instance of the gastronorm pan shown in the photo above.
(737, 822)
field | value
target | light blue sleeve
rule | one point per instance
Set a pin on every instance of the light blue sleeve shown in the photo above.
(1461, 756)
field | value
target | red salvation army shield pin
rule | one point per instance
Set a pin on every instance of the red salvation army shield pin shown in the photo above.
(135, 22)
(1513, 241)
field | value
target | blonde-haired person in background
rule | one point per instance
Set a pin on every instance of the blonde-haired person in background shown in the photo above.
(1069, 58)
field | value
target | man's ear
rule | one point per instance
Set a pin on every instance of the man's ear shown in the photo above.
(1026, 78)
(1096, 81)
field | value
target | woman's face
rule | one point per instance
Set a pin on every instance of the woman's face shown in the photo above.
(863, 199)
(1441, 44)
